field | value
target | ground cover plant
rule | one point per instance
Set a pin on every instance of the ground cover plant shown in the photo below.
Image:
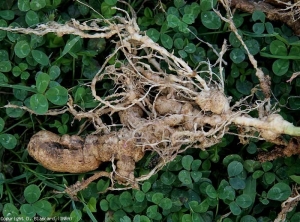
(161, 111)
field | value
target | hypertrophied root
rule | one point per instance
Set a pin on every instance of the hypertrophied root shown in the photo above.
(65, 154)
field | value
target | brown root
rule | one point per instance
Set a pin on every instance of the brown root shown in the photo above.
(274, 10)
(292, 148)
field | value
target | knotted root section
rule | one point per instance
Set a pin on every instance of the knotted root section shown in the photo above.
(163, 106)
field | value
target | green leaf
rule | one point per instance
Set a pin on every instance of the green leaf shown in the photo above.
(238, 20)
(269, 177)
(252, 148)
(182, 54)
(16, 71)
(190, 48)
(12, 36)
(251, 165)
(269, 28)
(244, 201)
(294, 51)
(54, 72)
(20, 94)
(179, 43)
(278, 48)
(165, 203)
(139, 196)
(125, 199)
(27, 210)
(8, 141)
(111, 2)
(244, 87)
(267, 166)
(258, 15)
(183, 27)
(92, 204)
(3, 23)
(23, 5)
(58, 95)
(32, 193)
(179, 3)
(186, 162)
(258, 28)
(5, 66)
(140, 218)
(153, 34)
(211, 191)
(295, 217)
(237, 183)
(185, 177)
(280, 66)
(188, 18)
(104, 205)
(172, 20)
(196, 175)
(210, 20)
(253, 46)
(76, 215)
(207, 5)
(84, 10)
(157, 197)
(148, 12)
(43, 208)
(233, 40)
(168, 178)
(237, 55)
(9, 210)
(15, 112)
(295, 178)
(146, 186)
(2, 123)
(36, 5)
(4, 55)
(248, 218)
(279, 192)
(39, 103)
(234, 168)
(107, 10)
(69, 46)
(152, 212)
(42, 82)
(234, 208)
(166, 41)
(186, 218)
(25, 75)
(196, 164)
(32, 18)
(40, 57)
(7, 14)
(257, 174)
(193, 9)
(114, 203)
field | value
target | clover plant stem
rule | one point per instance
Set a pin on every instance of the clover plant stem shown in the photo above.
(10, 195)
(18, 123)
(73, 77)
(26, 88)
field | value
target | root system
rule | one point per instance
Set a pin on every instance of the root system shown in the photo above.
(165, 110)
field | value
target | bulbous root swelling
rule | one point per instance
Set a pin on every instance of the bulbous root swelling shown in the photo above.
(162, 110)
